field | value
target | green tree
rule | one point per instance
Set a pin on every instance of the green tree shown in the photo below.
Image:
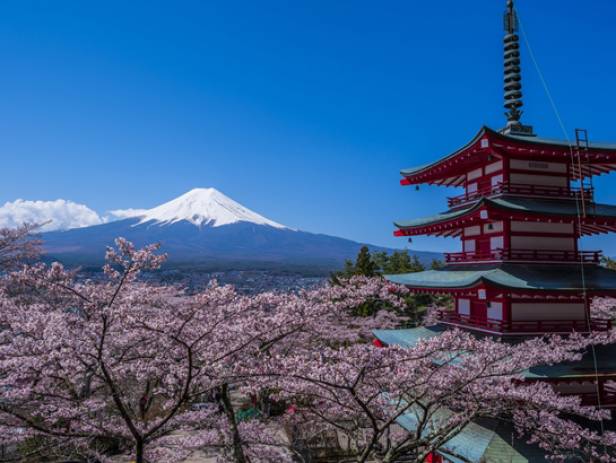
(364, 265)
(401, 262)
(380, 259)
(381, 262)
(436, 264)
(609, 262)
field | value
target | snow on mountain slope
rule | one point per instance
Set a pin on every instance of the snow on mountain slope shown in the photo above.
(205, 229)
(200, 206)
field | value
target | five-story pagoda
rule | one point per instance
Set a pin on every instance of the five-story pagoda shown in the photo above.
(526, 203)
(520, 270)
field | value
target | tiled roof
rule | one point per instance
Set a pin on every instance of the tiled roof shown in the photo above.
(557, 207)
(408, 337)
(526, 139)
(605, 355)
(484, 440)
(549, 277)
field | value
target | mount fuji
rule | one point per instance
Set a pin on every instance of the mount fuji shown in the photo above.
(206, 229)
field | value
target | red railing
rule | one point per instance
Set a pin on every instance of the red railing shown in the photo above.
(590, 398)
(590, 257)
(522, 189)
(523, 326)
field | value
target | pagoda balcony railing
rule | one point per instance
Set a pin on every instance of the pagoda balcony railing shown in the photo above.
(523, 190)
(513, 255)
(608, 399)
(523, 326)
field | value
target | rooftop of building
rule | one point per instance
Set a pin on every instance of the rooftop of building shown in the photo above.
(558, 208)
(448, 169)
(517, 276)
(605, 355)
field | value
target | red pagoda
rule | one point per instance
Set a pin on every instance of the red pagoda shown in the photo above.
(520, 272)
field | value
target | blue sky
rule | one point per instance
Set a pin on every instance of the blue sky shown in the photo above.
(303, 111)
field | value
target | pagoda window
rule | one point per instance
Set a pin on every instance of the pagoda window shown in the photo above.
(525, 311)
(469, 245)
(471, 188)
(496, 179)
(496, 242)
(494, 167)
(495, 310)
(464, 306)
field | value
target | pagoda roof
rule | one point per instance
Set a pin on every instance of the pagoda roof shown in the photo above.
(519, 277)
(408, 337)
(452, 168)
(485, 439)
(511, 205)
(605, 354)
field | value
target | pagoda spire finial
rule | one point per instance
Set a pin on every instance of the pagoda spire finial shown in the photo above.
(513, 76)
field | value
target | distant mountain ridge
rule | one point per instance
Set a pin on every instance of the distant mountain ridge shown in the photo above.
(206, 229)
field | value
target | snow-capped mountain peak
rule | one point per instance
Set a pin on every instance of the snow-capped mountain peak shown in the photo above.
(202, 206)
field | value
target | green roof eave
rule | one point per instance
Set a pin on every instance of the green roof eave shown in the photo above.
(407, 337)
(413, 170)
(434, 219)
(443, 278)
(544, 142)
(534, 277)
(556, 142)
(551, 206)
(605, 355)
(481, 440)
(555, 207)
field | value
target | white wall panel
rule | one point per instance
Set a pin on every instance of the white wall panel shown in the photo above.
(473, 174)
(472, 231)
(464, 306)
(497, 227)
(497, 242)
(495, 310)
(494, 167)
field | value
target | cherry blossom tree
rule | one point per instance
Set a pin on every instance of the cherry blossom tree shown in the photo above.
(92, 368)
(18, 245)
(437, 388)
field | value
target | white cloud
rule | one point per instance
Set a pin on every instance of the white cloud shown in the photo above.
(119, 214)
(61, 214)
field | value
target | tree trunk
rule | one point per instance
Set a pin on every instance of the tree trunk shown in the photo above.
(139, 451)
(238, 451)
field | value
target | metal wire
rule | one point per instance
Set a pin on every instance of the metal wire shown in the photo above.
(577, 204)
